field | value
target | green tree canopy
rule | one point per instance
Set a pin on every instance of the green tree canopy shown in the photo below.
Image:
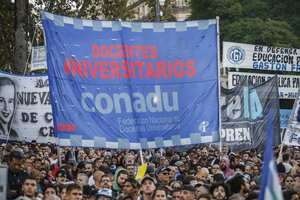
(265, 22)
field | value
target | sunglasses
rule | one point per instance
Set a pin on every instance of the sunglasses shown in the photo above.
(166, 173)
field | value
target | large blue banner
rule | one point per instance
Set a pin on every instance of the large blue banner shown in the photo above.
(132, 85)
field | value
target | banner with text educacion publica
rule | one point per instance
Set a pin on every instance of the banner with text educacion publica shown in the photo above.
(29, 98)
(132, 85)
(244, 114)
(248, 56)
(288, 85)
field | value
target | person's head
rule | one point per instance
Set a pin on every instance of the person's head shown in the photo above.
(189, 180)
(204, 197)
(15, 161)
(82, 179)
(61, 176)
(289, 180)
(291, 194)
(50, 190)
(225, 150)
(88, 168)
(246, 156)
(148, 185)
(224, 163)
(131, 187)
(219, 190)
(104, 194)
(286, 157)
(63, 192)
(203, 173)
(106, 181)
(173, 170)
(129, 159)
(215, 168)
(97, 163)
(130, 170)
(256, 170)
(202, 189)
(7, 100)
(192, 153)
(37, 163)
(176, 185)
(175, 194)
(237, 184)
(180, 165)
(81, 155)
(53, 154)
(160, 193)
(249, 169)
(121, 177)
(74, 192)
(187, 192)
(163, 174)
(86, 191)
(29, 187)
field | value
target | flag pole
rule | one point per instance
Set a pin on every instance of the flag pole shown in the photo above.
(219, 81)
(141, 154)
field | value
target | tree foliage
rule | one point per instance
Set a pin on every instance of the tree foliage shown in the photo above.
(264, 22)
(89, 9)
(7, 41)
(165, 10)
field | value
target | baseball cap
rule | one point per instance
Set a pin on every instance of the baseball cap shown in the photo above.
(104, 192)
(161, 169)
(178, 163)
(149, 178)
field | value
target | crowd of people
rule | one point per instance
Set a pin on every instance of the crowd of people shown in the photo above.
(36, 171)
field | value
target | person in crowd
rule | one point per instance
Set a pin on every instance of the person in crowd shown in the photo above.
(53, 157)
(74, 192)
(237, 184)
(88, 168)
(163, 175)
(131, 188)
(61, 177)
(187, 192)
(147, 188)
(249, 170)
(37, 163)
(291, 194)
(80, 156)
(108, 169)
(224, 165)
(104, 194)
(16, 176)
(97, 179)
(82, 179)
(289, 181)
(29, 188)
(286, 162)
(219, 190)
(120, 176)
(175, 194)
(160, 193)
(130, 170)
(50, 190)
(203, 174)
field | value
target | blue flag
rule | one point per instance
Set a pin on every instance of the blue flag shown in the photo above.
(132, 85)
(270, 185)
